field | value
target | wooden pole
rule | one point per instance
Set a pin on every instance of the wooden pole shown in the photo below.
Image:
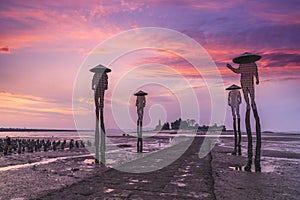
(97, 136)
(235, 137)
(102, 147)
(240, 137)
(258, 141)
(249, 137)
(140, 137)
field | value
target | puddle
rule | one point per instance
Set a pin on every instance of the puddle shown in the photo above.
(134, 181)
(46, 161)
(264, 168)
(183, 170)
(187, 174)
(89, 161)
(179, 184)
(237, 168)
(108, 190)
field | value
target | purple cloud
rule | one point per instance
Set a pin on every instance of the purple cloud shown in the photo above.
(4, 50)
(281, 59)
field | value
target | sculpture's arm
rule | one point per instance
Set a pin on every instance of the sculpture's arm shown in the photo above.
(256, 74)
(93, 82)
(235, 70)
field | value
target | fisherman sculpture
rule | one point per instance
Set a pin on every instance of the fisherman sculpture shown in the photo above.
(248, 70)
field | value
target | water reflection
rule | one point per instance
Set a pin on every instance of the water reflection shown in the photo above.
(266, 168)
(237, 168)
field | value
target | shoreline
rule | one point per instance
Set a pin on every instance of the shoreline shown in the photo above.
(278, 164)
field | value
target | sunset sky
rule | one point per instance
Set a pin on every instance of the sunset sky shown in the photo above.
(44, 44)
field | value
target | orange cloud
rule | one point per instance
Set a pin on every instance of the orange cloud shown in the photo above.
(19, 110)
(31, 104)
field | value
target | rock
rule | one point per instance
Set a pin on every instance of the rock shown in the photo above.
(75, 169)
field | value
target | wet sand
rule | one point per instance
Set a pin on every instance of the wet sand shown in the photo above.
(279, 179)
(216, 176)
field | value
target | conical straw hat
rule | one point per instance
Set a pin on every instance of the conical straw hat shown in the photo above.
(246, 58)
(233, 87)
(100, 69)
(141, 93)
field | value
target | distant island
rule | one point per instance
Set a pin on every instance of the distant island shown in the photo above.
(189, 124)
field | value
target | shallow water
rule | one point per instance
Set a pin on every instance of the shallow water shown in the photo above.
(289, 143)
(116, 155)
(89, 161)
(44, 161)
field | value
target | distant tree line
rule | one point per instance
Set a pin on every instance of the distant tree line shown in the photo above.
(189, 124)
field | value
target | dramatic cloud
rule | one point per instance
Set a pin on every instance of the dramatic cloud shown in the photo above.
(4, 50)
(43, 44)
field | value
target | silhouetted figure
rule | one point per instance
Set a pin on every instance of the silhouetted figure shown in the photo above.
(54, 145)
(14, 145)
(71, 144)
(1, 145)
(82, 144)
(47, 145)
(89, 144)
(140, 105)
(99, 85)
(29, 147)
(36, 145)
(77, 144)
(234, 101)
(248, 69)
(7, 146)
(19, 147)
(58, 144)
(63, 145)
